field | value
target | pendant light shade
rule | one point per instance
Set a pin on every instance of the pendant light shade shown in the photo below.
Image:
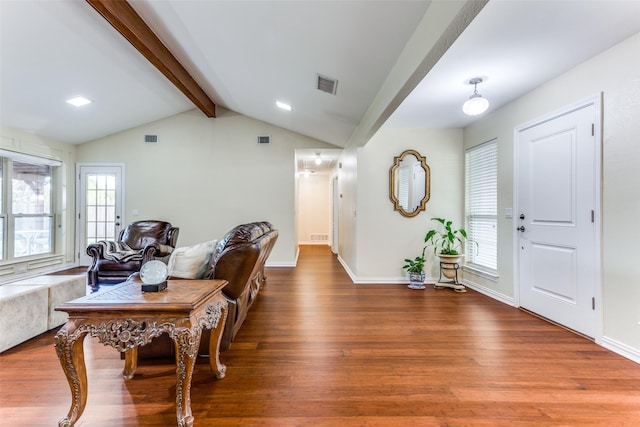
(476, 104)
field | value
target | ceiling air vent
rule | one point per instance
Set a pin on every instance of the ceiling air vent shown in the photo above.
(327, 84)
(264, 139)
(151, 139)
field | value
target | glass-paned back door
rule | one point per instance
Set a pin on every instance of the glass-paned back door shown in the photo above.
(100, 205)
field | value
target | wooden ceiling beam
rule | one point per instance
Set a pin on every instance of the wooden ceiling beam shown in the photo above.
(121, 15)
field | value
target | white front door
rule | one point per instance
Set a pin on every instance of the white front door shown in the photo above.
(557, 201)
(99, 205)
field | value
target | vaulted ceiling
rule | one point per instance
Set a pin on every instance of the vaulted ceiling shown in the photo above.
(246, 55)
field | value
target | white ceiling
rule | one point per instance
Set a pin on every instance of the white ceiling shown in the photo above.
(247, 54)
(516, 46)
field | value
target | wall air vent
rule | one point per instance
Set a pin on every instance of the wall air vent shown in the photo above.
(151, 139)
(327, 84)
(264, 139)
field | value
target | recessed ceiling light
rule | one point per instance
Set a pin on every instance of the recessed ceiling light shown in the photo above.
(283, 105)
(79, 101)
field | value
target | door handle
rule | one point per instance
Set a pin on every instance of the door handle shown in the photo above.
(520, 229)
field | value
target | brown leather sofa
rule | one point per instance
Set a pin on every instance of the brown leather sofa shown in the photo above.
(153, 239)
(239, 258)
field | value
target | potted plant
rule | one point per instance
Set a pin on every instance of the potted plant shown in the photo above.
(415, 268)
(447, 244)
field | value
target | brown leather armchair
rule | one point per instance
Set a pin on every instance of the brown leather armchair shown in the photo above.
(139, 242)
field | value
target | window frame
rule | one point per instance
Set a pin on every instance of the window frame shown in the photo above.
(487, 205)
(8, 231)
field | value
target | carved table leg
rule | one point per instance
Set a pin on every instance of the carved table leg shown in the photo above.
(130, 363)
(187, 343)
(69, 344)
(218, 368)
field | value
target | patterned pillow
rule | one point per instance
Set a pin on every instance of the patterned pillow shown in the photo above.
(190, 262)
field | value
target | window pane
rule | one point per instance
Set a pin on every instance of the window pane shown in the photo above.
(481, 202)
(101, 214)
(2, 223)
(91, 182)
(1, 187)
(91, 213)
(32, 236)
(2, 220)
(100, 202)
(31, 189)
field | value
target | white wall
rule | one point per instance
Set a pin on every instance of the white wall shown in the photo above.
(209, 175)
(615, 73)
(314, 208)
(64, 203)
(384, 238)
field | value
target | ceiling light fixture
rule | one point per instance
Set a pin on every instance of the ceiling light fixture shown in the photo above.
(283, 105)
(318, 159)
(476, 104)
(79, 101)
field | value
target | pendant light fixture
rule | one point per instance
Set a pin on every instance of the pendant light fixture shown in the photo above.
(476, 104)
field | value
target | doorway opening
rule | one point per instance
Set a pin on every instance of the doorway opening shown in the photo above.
(316, 176)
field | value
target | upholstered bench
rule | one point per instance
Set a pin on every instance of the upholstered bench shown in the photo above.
(23, 313)
(61, 288)
(27, 307)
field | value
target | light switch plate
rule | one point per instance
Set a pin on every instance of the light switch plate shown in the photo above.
(508, 213)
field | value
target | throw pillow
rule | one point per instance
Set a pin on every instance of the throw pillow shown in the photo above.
(190, 262)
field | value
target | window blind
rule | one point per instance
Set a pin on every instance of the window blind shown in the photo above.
(481, 202)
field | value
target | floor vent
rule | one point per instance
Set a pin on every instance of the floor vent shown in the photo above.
(327, 84)
(319, 237)
(264, 139)
(151, 139)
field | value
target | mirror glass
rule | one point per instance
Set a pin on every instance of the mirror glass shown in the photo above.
(409, 183)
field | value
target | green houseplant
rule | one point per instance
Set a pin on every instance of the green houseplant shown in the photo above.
(445, 240)
(415, 268)
(447, 244)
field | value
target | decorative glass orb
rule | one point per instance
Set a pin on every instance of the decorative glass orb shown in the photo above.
(153, 272)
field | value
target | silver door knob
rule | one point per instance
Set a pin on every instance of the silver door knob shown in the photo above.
(521, 228)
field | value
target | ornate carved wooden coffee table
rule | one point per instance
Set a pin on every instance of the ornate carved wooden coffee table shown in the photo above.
(124, 318)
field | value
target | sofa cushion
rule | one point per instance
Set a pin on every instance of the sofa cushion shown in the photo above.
(190, 262)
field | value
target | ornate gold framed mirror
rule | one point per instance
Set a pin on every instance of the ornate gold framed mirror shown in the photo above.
(409, 183)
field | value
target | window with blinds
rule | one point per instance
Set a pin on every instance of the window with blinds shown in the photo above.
(26, 210)
(481, 202)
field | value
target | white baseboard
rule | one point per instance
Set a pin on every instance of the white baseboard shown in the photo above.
(490, 293)
(280, 264)
(347, 269)
(621, 349)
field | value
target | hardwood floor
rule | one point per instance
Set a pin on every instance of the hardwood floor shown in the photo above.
(317, 350)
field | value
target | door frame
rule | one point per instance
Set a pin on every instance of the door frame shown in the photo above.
(335, 214)
(596, 101)
(79, 166)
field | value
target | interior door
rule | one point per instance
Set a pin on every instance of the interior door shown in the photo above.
(99, 205)
(557, 203)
